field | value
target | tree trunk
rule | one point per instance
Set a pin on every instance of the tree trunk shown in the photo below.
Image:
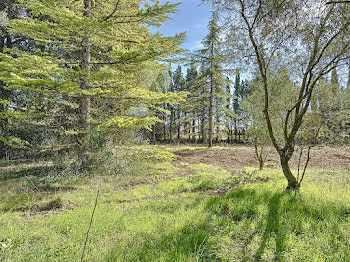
(259, 156)
(292, 181)
(186, 130)
(203, 127)
(172, 116)
(194, 131)
(210, 139)
(153, 135)
(189, 131)
(9, 41)
(85, 104)
(2, 43)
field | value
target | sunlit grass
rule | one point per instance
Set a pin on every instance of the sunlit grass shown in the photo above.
(170, 218)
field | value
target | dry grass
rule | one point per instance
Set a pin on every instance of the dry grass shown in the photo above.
(239, 157)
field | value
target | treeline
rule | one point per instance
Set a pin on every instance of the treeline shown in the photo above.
(212, 111)
(77, 77)
(189, 121)
(222, 108)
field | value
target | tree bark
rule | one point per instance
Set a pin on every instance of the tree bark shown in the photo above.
(85, 105)
(292, 181)
(194, 131)
(210, 139)
(153, 133)
(259, 156)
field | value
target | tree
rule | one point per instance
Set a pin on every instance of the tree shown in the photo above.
(93, 54)
(254, 121)
(211, 59)
(193, 102)
(13, 135)
(179, 86)
(281, 94)
(236, 101)
(312, 38)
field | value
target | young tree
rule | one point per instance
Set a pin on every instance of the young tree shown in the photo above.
(281, 96)
(312, 38)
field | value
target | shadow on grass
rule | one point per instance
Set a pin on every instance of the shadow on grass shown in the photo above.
(26, 186)
(38, 171)
(188, 243)
(38, 178)
(273, 226)
(262, 219)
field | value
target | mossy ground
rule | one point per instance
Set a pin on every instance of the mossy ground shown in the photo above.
(161, 213)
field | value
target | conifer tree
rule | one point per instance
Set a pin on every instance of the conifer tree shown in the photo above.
(179, 86)
(191, 107)
(93, 55)
(212, 58)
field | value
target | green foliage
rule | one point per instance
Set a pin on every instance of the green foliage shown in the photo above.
(91, 67)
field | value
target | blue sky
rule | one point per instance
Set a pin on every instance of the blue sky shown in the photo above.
(192, 17)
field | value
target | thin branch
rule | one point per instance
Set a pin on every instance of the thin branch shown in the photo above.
(306, 164)
(338, 2)
(113, 12)
(299, 161)
(88, 231)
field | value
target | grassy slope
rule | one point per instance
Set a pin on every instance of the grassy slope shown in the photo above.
(181, 219)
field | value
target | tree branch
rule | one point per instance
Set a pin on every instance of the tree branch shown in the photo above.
(113, 12)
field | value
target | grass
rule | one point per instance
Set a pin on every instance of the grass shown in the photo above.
(155, 215)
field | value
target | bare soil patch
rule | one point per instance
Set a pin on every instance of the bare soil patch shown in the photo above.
(239, 157)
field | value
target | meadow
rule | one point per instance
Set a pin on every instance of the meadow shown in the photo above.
(195, 204)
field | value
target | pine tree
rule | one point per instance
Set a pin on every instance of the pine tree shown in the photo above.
(211, 58)
(12, 133)
(179, 86)
(93, 54)
(191, 107)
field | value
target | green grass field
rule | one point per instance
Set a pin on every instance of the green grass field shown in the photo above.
(155, 214)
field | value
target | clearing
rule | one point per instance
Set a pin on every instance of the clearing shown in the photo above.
(203, 205)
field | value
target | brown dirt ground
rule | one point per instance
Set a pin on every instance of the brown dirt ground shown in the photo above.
(238, 157)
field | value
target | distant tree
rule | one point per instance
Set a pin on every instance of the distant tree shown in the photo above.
(193, 102)
(212, 58)
(178, 86)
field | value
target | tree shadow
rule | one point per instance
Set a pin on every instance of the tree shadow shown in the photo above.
(265, 218)
(273, 227)
(38, 171)
(39, 179)
(186, 243)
